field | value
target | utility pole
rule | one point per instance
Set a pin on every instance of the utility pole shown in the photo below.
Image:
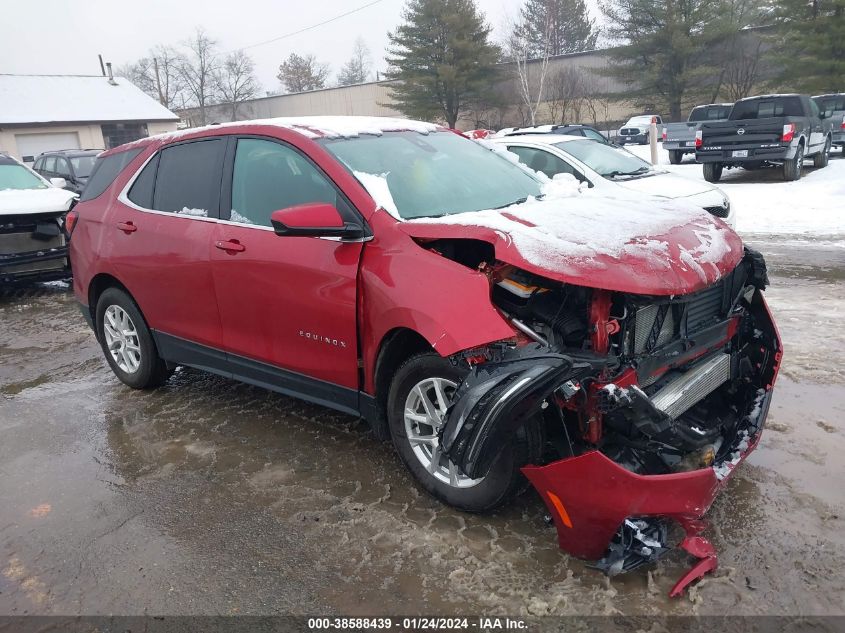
(158, 82)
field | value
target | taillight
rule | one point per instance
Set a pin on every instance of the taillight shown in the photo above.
(664, 135)
(843, 122)
(698, 138)
(70, 222)
(788, 132)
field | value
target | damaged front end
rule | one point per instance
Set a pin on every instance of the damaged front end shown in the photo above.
(648, 402)
(33, 247)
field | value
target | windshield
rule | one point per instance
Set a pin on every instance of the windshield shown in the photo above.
(607, 160)
(432, 175)
(710, 113)
(82, 165)
(639, 120)
(14, 176)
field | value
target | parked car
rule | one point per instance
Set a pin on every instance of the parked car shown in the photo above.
(611, 169)
(619, 354)
(571, 129)
(832, 106)
(32, 224)
(74, 165)
(679, 138)
(638, 128)
(780, 130)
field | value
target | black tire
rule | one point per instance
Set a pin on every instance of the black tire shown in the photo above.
(151, 371)
(823, 157)
(504, 479)
(792, 168)
(676, 156)
(712, 172)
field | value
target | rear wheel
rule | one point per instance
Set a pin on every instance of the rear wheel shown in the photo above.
(712, 172)
(420, 393)
(792, 168)
(822, 158)
(676, 156)
(127, 342)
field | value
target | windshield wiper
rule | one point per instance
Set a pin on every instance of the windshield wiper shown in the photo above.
(636, 172)
(510, 204)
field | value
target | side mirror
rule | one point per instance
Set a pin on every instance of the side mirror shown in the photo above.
(61, 183)
(317, 219)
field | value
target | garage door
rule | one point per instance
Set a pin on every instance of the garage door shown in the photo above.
(31, 145)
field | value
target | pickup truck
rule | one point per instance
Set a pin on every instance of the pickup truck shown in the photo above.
(833, 107)
(770, 130)
(679, 138)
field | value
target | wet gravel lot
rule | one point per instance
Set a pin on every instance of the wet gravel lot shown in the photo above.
(212, 497)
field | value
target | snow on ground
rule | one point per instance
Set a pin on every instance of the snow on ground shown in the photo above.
(810, 208)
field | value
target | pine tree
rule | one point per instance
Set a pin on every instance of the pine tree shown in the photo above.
(810, 38)
(663, 45)
(301, 73)
(442, 58)
(567, 22)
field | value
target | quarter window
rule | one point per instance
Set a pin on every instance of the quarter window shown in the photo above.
(269, 176)
(188, 178)
(141, 192)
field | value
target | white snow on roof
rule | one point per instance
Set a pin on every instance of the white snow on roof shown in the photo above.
(65, 98)
(316, 127)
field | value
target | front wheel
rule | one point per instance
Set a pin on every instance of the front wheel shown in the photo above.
(127, 342)
(822, 158)
(420, 394)
(676, 156)
(712, 172)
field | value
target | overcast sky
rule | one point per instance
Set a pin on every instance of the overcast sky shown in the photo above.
(64, 37)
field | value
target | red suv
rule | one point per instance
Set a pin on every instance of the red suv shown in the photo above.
(617, 353)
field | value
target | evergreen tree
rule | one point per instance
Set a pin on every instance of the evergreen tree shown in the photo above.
(663, 49)
(443, 59)
(301, 73)
(811, 45)
(567, 24)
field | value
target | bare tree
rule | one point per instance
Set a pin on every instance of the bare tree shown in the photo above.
(566, 91)
(357, 69)
(300, 73)
(743, 68)
(158, 74)
(531, 69)
(236, 81)
(199, 69)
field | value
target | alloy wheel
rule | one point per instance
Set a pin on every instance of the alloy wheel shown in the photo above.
(122, 340)
(425, 410)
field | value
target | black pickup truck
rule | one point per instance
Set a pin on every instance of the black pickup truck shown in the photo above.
(764, 131)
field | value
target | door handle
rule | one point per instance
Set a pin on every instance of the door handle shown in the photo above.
(127, 227)
(230, 246)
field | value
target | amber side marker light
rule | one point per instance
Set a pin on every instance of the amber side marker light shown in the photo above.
(561, 511)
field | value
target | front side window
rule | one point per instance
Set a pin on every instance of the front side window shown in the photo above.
(542, 161)
(432, 175)
(15, 176)
(607, 160)
(188, 178)
(269, 176)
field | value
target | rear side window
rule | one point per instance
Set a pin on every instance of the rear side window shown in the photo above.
(766, 108)
(50, 164)
(105, 171)
(188, 178)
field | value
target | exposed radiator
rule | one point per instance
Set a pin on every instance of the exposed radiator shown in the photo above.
(696, 383)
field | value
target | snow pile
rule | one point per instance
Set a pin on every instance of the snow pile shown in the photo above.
(766, 205)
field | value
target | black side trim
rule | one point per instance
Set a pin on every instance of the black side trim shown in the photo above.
(86, 313)
(253, 372)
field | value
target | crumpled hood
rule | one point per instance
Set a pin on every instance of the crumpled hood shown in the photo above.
(23, 201)
(666, 185)
(649, 246)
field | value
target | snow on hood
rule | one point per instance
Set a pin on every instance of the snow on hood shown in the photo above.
(648, 246)
(667, 185)
(18, 201)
